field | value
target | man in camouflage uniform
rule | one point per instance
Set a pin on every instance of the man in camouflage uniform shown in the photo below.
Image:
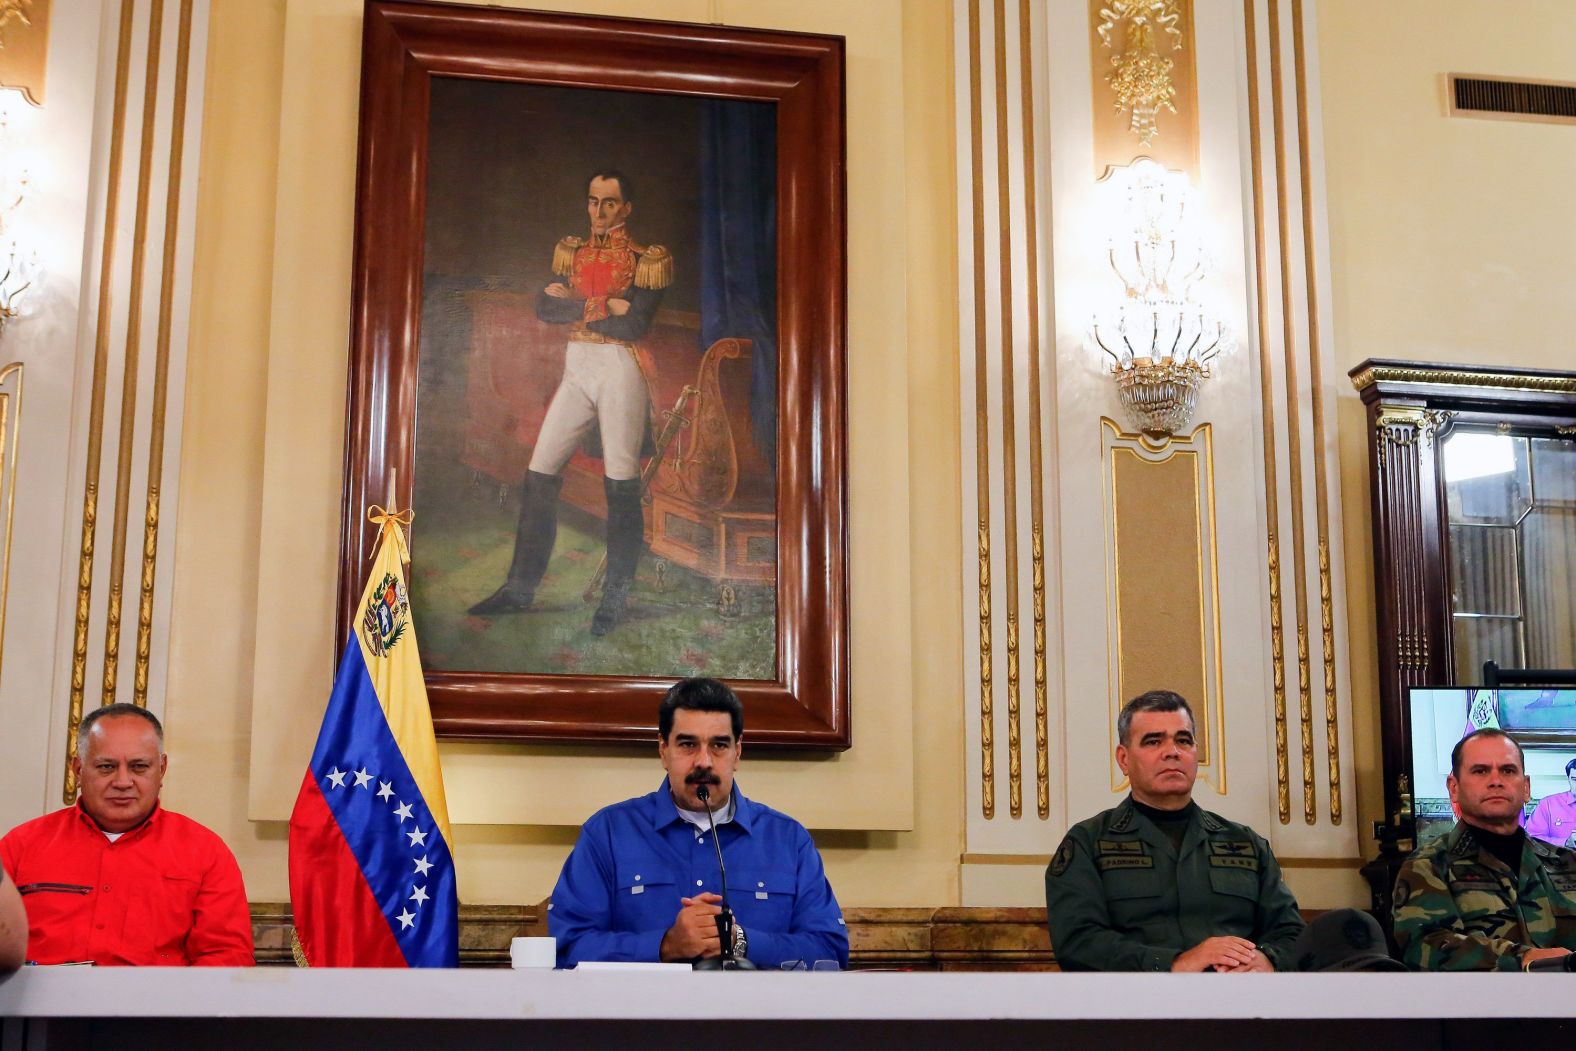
(1486, 896)
(1159, 884)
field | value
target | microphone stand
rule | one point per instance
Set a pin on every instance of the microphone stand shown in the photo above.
(727, 961)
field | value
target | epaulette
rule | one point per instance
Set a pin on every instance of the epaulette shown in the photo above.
(564, 255)
(655, 269)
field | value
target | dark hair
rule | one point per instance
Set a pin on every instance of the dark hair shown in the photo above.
(1570, 767)
(625, 190)
(112, 711)
(699, 695)
(1153, 701)
(1487, 731)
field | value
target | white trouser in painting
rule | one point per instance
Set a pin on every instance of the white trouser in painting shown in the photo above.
(602, 385)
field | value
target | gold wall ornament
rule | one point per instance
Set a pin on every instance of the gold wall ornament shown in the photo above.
(1009, 419)
(1332, 729)
(1162, 574)
(1563, 384)
(161, 369)
(1407, 425)
(24, 47)
(131, 355)
(10, 446)
(1267, 409)
(79, 647)
(1042, 774)
(1140, 74)
(981, 419)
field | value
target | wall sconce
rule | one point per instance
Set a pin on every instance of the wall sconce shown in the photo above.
(1159, 338)
(19, 270)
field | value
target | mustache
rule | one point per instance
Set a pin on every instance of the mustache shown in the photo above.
(703, 779)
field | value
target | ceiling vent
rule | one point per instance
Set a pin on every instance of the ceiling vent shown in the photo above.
(1546, 101)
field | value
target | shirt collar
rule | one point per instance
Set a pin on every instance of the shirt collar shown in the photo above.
(663, 811)
(87, 819)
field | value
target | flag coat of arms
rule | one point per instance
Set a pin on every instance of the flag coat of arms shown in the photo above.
(371, 865)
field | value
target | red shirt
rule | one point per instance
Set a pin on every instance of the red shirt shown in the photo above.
(167, 893)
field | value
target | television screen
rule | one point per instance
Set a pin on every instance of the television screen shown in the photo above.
(1542, 721)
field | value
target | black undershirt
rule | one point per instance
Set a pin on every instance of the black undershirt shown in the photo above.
(1506, 848)
(1171, 823)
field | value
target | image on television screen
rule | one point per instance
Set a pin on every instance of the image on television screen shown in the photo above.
(1542, 721)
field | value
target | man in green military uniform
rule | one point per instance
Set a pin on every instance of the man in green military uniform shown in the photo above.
(1486, 896)
(1158, 883)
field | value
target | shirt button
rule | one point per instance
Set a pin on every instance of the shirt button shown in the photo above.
(637, 876)
(106, 888)
(758, 884)
(100, 926)
(698, 883)
(700, 839)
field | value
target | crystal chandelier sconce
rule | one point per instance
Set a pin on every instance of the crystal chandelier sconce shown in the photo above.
(1159, 338)
(19, 270)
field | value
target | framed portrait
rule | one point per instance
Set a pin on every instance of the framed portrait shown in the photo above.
(597, 346)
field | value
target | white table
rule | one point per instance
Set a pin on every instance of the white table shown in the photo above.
(278, 1007)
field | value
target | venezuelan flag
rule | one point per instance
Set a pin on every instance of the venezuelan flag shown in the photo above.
(371, 865)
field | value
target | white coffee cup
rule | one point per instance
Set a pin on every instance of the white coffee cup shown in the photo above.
(533, 953)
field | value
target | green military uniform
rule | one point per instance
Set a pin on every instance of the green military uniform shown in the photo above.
(1120, 897)
(1459, 908)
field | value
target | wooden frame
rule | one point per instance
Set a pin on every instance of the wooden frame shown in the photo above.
(1410, 407)
(404, 46)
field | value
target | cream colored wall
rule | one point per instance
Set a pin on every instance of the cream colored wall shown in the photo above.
(1450, 238)
(265, 61)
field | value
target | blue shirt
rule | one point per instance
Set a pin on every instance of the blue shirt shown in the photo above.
(620, 888)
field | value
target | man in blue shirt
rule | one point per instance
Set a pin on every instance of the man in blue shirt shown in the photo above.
(642, 883)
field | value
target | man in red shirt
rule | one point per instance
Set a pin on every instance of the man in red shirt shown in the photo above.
(117, 879)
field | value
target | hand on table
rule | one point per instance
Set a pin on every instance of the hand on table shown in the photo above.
(1223, 953)
(694, 932)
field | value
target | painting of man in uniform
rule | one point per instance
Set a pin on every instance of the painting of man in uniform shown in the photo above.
(594, 481)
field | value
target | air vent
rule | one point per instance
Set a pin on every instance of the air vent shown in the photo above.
(1535, 100)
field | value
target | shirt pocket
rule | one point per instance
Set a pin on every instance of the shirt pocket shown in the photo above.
(1132, 896)
(764, 899)
(1236, 894)
(159, 918)
(56, 914)
(645, 895)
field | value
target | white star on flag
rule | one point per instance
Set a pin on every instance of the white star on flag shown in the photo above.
(418, 895)
(337, 776)
(423, 865)
(385, 790)
(403, 811)
(418, 838)
(406, 919)
(363, 779)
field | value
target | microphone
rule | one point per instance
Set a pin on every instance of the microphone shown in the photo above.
(727, 961)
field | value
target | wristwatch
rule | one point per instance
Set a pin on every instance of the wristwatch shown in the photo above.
(741, 942)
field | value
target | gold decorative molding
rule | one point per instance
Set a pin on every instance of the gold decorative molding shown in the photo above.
(1293, 415)
(10, 449)
(1267, 408)
(1140, 76)
(1162, 554)
(94, 456)
(1042, 756)
(161, 369)
(1406, 425)
(1565, 432)
(1009, 417)
(981, 421)
(1374, 374)
(132, 354)
(1321, 488)
(24, 47)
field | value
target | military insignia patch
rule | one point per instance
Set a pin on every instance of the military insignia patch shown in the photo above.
(1403, 893)
(386, 617)
(1106, 862)
(1063, 858)
(1232, 848)
(1121, 846)
(1226, 861)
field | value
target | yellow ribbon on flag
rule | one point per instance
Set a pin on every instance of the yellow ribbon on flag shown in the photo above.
(395, 521)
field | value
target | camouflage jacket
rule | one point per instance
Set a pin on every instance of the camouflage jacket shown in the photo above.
(1119, 897)
(1458, 908)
